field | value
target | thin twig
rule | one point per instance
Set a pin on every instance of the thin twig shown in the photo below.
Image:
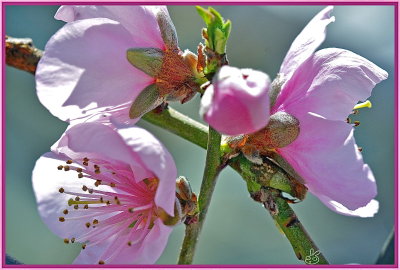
(211, 171)
(179, 124)
(21, 54)
(285, 217)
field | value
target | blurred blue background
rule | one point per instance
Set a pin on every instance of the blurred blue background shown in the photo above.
(237, 230)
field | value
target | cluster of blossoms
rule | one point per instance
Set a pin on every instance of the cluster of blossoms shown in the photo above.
(112, 187)
(307, 133)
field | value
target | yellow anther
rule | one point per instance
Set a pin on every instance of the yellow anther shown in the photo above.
(366, 104)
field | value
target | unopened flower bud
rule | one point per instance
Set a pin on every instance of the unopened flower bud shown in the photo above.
(183, 188)
(237, 102)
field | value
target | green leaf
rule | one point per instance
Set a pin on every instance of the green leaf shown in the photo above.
(217, 32)
(147, 100)
(148, 60)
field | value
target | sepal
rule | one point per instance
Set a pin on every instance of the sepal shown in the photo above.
(148, 60)
(149, 99)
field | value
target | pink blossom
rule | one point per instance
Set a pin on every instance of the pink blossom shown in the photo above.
(237, 101)
(84, 72)
(103, 188)
(320, 91)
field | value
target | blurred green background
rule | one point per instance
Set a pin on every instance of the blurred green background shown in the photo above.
(237, 230)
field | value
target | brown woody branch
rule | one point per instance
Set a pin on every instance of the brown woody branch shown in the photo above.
(21, 54)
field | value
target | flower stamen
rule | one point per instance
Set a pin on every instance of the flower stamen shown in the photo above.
(366, 104)
(127, 210)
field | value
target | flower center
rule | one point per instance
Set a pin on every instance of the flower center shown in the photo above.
(112, 206)
(175, 78)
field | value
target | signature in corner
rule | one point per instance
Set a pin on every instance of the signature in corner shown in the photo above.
(313, 257)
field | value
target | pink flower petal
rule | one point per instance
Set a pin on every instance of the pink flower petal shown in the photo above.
(116, 223)
(307, 42)
(47, 181)
(84, 71)
(154, 243)
(366, 211)
(330, 83)
(140, 21)
(156, 158)
(133, 146)
(94, 140)
(146, 253)
(237, 102)
(326, 156)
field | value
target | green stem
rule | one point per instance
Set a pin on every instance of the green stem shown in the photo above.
(281, 212)
(211, 171)
(180, 125)
(285, 217)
